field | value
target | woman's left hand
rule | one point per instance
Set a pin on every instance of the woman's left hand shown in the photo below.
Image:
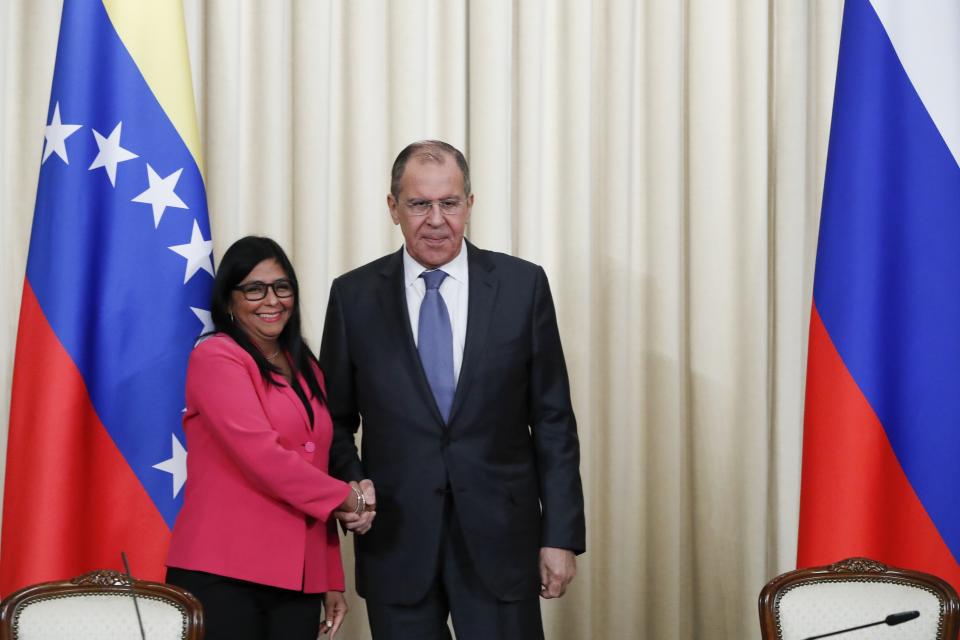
(334, 610)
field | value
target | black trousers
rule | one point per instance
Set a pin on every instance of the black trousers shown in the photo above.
(458, 593)
(239, 610)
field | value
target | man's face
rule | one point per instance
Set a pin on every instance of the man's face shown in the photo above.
(432, 210)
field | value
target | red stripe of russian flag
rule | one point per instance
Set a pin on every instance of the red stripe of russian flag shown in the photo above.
(855, 498)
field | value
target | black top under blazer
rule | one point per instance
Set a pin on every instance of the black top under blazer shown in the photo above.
(509, 455)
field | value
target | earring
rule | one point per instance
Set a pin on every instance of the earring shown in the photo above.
(231, 317)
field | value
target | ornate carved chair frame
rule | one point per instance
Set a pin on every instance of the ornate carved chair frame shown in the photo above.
(102, 582)
(857, 570)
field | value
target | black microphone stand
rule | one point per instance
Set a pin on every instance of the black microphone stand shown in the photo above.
(133, 594)
(890, 620)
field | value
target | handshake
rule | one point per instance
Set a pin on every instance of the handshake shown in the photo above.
(357, 512)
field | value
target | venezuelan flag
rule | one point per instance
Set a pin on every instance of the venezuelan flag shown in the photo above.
(881, 450)
(117, 287)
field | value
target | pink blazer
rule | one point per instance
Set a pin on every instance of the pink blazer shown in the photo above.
(258, 497)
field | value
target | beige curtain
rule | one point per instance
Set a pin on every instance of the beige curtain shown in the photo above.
(662, 159)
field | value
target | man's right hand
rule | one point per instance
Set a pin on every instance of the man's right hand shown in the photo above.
(360, 523)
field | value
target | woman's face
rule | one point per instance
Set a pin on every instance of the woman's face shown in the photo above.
(263, 320)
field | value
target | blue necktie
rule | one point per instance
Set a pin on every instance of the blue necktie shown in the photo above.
(435, 342)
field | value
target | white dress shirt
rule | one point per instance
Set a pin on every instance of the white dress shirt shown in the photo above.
(454, 290)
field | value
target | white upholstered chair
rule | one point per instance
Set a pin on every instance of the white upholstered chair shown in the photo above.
(100, 606)
(853, 592)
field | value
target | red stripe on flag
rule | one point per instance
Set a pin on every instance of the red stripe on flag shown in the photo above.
(855, 499)
(71, 502)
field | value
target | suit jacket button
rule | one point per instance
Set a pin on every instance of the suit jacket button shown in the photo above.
(309, 447)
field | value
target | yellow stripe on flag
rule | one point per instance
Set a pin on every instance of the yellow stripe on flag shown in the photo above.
(153, 32)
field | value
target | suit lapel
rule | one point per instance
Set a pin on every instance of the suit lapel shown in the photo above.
(286, 389)
(392, 297)
(482, 295)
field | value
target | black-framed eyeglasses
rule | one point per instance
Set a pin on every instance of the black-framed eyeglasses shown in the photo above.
(448, 206)
(254, 291)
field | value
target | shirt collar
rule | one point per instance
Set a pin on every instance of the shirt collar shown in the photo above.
(456, 268)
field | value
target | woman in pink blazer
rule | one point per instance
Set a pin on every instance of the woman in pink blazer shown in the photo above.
(256, 539)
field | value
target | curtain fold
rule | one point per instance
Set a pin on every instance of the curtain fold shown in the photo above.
(662, 160)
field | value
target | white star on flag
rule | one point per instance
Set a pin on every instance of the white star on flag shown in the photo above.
(160, 195)
(111, 153)
(55, 136)
(205, 317)
(175, 465)
(197, 253)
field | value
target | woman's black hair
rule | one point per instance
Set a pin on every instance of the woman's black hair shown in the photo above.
(238, 261)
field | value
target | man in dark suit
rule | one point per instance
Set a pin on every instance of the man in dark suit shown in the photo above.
(450, 358)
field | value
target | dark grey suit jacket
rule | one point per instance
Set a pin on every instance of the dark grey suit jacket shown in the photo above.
(509, 454)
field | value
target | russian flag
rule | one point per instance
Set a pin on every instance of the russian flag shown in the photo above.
(881, 449)
(117, 288)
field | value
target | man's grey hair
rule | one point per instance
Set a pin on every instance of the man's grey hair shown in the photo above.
(428, 151)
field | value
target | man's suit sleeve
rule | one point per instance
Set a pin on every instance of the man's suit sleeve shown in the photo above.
(554, 430)
(337, 368)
